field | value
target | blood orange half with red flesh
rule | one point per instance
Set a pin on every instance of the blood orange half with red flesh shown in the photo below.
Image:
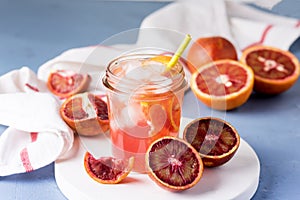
(173, 164)
(65, 83)
(223, 84)
(85, 113)
(275, 70)
(216, 140)
(107, 170)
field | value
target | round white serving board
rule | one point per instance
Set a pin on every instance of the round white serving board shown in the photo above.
(237, 179)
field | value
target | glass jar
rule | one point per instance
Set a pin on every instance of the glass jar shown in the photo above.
(144, 103)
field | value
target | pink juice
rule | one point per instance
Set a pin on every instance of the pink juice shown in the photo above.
(144, 104)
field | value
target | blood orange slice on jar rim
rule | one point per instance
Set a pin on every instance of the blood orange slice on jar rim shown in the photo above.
(173, 164)
(65, 83)
(85, 113)
(107, 170)
(223, 84)
(275, 70)
(215, 139)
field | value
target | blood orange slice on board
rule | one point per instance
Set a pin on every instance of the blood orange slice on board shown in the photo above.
(275, 70)
(173, 164)
(65, 83)
(208, 49)
(223, 84)
(107, 170)
(216, 140)
(85, 113)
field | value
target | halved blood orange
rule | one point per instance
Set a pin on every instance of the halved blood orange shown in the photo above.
(208, 49)
(215, 139)
(65, 83)
(173, 164)
(107, 170)
(85, 113)
(275, 70)
(223, 84)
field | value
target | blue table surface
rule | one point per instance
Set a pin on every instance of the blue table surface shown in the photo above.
(34, 31)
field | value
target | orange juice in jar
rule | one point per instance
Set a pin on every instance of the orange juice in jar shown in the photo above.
(144, 100)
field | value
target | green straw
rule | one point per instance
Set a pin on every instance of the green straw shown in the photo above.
(179, 52)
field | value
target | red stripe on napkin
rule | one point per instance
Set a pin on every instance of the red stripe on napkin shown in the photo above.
(33, 136)
(262, 38)
(25, 156)
(25, 160)
(32, 87)
(298, 24)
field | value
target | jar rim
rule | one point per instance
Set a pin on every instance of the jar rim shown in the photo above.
(111, 78)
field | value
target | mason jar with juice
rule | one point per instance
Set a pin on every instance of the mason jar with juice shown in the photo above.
(145, 100)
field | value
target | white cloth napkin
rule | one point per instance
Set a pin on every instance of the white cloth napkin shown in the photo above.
(37, 136)
(241, 24)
